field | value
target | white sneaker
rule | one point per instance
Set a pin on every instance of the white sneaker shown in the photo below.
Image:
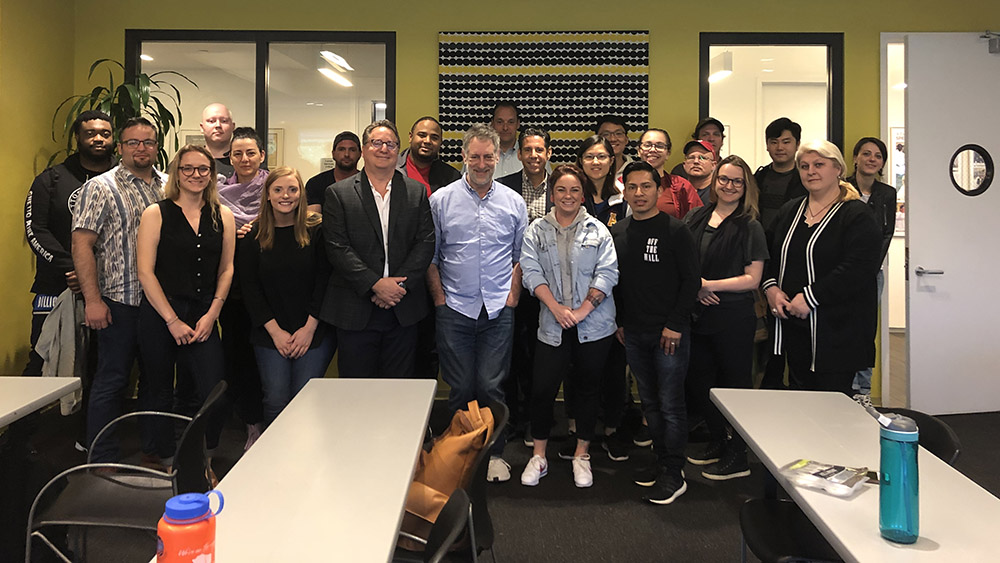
(582, 475)
(536, 469)
(498, 471)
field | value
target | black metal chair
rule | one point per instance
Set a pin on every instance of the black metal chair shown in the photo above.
(118, 495)
(777, 531)
(480, 522)
(450, 523)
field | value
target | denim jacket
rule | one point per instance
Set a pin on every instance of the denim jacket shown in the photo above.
(595, 266)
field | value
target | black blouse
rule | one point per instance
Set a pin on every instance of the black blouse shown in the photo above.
(187, 262)
(285, 283)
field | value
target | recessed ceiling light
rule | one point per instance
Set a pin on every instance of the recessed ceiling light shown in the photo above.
(336, 77)
(767, 70)
(900, 86)
(145, 57)
(766, 60)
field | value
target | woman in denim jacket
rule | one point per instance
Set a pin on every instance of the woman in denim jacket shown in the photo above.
(569, 263)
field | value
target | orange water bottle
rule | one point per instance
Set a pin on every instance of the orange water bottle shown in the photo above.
(186, 533)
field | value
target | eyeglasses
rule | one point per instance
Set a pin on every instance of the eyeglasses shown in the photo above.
(190, 170)
(648, 146)
(617, 134)
(596, 157)
(736, 182)
(133, 143)
(698, 157)
(379, 143)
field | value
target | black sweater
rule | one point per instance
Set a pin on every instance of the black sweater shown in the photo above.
(659, 273)
(843, 260)
(285, 283)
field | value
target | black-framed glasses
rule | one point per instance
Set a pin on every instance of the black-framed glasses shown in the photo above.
(653, 146)
(191, 170)
(736, 182)
(379, 143)
(133, 143)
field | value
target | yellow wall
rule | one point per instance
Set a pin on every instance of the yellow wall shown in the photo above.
(36, 73)
(673, 27)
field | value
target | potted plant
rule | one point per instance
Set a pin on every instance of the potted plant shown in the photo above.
(147, 95)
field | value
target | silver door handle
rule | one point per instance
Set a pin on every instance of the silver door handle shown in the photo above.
(920, 271)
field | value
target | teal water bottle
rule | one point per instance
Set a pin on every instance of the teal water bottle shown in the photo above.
(899, 485)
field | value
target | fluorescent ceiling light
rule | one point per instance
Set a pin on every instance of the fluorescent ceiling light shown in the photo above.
(329, 73)
(767, 70)
(336, 60)
(145, 57)
(900, 86)
(720, 66)
(380, 105)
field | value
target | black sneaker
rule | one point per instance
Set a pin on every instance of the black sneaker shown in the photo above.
(710, 453)
(732, 466)
(616, 446)
(568, 450)
(642, 437)
(667, 488)
(647, 476)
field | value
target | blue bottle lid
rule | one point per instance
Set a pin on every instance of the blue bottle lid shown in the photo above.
(189, 506)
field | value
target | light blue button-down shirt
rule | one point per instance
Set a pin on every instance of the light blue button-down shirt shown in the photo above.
(478, 241)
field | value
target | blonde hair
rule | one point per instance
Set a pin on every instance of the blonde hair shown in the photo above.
(829, 151)
(172, 189)
(303, 219)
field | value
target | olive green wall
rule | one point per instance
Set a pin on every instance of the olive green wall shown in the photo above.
(97, 30)
(36, 73)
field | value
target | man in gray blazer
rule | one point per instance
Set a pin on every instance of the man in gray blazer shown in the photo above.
(380, 240)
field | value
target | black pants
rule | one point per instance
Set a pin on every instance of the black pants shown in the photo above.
(722, 359)
(382, 349)
(245, 390)
(798, 350)
(613, 396)
(161, 356)
(552, 365)
(426, 362)
(517, 386)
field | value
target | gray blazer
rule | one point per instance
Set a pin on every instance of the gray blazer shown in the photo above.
(354, 245)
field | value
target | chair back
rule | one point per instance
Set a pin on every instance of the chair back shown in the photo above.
(477, 488)
(449, 525)
(191, 459)
(935, 435)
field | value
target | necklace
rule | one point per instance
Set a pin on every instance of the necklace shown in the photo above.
(811, 217)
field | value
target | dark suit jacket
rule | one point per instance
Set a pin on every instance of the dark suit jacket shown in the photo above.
(354, 245)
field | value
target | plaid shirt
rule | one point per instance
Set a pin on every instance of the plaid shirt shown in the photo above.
(111, 205)
(535, 197)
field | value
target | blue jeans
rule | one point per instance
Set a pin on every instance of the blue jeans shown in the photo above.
(282, 378)
(475, 358)
(118, 349)
(660, 379)
(863, 379)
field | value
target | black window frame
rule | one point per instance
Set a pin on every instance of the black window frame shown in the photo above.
(834, 43)
(134, 39)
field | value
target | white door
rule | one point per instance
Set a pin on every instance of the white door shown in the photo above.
(953, 317)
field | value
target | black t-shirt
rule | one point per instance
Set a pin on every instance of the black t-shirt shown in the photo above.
(317, 185)
(659, 273)
(773, 192)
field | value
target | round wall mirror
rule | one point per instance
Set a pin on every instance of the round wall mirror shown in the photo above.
(971, 170)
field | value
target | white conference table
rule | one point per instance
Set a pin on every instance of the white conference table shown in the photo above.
(328, 479)
(958, 519)
(20, 396)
